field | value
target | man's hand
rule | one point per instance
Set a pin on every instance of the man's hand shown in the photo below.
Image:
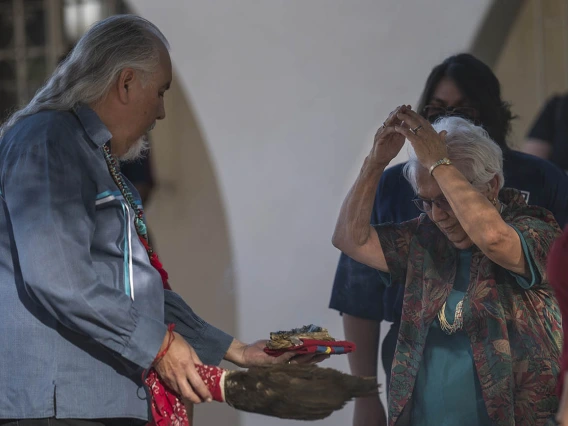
(253, 355)
(177, 370)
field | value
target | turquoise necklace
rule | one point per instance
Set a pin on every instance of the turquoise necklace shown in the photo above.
(127, 194)
(140, 226)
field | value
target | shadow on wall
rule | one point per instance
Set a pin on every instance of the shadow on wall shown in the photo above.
(188, 225)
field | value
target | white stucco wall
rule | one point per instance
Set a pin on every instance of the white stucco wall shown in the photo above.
(288, 94)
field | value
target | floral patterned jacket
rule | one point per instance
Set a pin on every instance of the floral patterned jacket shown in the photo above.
(515, 333)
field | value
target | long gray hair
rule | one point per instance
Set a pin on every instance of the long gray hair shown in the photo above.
(90, 69)
(471, 150)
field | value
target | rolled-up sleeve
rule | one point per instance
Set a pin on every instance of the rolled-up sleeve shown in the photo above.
(50, 200)
(537, 234)
(210, 343)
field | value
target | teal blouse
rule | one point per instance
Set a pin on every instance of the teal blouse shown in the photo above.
(447, 390)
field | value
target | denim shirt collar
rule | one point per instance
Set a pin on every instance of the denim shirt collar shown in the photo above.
(94, 127)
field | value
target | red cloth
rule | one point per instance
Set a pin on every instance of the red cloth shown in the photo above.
(212, 377)
(315, 347)
(558, 278)
(155, 262)
(167, 409)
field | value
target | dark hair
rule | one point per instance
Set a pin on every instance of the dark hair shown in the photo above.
(480, 86)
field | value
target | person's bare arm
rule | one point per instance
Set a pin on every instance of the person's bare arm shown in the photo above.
(363, 362)
(481, 221)
(353, 234)
(538, 147)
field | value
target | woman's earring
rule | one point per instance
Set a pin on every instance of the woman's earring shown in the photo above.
(494, 201)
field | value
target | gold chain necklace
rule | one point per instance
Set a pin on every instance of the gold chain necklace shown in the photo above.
(458, 316)
(458, 319)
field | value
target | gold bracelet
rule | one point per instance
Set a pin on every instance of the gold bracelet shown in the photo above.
(445, 161)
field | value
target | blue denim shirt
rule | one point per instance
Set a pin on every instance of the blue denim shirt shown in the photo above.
(82, 308)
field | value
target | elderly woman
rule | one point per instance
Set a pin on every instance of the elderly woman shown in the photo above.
(480, 335)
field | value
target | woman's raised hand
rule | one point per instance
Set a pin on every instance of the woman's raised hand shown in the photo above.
(388, 142)
(429, 145)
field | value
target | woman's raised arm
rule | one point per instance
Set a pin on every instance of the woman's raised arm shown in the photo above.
(353, 234)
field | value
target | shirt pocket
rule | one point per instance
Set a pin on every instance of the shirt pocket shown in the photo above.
(116, 232)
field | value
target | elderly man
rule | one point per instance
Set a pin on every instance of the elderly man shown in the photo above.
(80, 289)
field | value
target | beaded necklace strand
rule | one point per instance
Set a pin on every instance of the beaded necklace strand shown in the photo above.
(139, 224)
(458, 315)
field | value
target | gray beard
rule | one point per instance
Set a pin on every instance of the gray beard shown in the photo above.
(138, 150)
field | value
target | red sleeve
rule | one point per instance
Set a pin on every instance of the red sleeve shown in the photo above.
(558, 278)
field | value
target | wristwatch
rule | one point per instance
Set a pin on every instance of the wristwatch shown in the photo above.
(446, 161)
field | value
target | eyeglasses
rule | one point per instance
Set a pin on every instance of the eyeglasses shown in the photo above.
(426, 205)
(433, 112)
